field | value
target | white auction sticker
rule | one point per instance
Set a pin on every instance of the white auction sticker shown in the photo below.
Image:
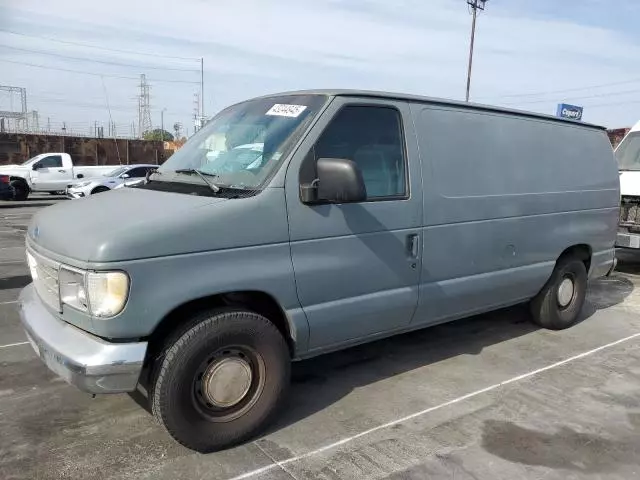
(286, 110)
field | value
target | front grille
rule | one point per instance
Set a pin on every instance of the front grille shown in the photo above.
(630, 211)
(45, 279)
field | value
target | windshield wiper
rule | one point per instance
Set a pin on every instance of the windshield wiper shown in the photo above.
(201, 174)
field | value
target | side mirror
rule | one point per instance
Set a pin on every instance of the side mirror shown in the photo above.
(339, 181)
(36, 166)
(124, 175)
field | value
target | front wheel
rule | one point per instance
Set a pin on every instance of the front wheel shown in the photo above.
(222, 380)
(560, 301)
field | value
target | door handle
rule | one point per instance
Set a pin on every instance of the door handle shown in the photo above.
(62, 171)
(412, 245)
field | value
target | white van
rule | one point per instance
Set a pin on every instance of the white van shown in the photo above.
(628, 155)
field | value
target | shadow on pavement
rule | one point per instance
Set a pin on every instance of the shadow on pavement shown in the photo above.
(320, 382)
(35, 203)
(18, 281)
(323, 381)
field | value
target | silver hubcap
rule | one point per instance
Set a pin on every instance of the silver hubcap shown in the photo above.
(227, 381)
(565, 292)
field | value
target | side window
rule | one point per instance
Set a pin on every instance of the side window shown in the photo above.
(372, 137)
(137, 172)
(52, 161)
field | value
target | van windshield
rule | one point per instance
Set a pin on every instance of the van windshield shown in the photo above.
(242, 145)
(628, 153)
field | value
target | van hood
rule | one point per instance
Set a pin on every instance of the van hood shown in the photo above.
(112, 226)
(630, 183)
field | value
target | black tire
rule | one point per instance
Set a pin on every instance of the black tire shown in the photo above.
(20, 190)
(546, 308)
(99, 190)
(177, 398)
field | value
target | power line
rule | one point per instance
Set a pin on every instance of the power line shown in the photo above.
(550, 92)
(106, 62)
(94, 74)
(583, 97)
(597, 105)
(93, 106)
(96, 47)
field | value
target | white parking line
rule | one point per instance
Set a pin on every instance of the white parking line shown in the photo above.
(13, 344)
(9, 303)
(524, 376)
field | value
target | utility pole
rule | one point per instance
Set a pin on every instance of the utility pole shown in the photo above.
(202, 86)
(161, 134)
(475, 5)
(162, 124)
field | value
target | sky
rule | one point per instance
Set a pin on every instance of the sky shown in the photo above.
(529, 55)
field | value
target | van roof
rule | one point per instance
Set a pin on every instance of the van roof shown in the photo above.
(431, 100)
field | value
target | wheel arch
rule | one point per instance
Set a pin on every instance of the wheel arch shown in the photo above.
(582, 251)
(14, 178)
(254, 300)
(99, 188)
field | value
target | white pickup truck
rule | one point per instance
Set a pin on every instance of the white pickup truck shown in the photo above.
(628, 155)
(48, 172)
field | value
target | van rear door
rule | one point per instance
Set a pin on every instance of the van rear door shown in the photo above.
(357, 265)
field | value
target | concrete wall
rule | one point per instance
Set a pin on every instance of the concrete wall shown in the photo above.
(16, 148)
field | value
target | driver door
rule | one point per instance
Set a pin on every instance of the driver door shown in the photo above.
(50, 175)
(357, 265)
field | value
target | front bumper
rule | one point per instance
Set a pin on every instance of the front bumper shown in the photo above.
(6, 193)
(74, 193)
(628, 240)
(83, 360)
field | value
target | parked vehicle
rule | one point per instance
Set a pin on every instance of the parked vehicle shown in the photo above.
(125, 175)
(628, 155)
(48, 172)
(368, 214)
(6, 190)
(132, 183)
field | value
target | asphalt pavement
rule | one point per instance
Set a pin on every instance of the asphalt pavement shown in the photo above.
(489, 397)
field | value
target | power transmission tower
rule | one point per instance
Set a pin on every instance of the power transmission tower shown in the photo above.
(20, 117)
(474, 6)
(144, 107)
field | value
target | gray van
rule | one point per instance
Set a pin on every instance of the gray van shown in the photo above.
(358, 215)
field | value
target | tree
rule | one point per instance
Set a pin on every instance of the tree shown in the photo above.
(157, 134)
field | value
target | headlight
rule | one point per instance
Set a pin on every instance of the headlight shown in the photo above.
(80, 185)
(103, 294)
(72, 289)
(107, 292)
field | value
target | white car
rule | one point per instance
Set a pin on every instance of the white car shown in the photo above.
(48, 172)
(123, 175)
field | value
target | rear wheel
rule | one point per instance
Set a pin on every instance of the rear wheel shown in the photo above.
(560, 301)
(222, 380)
(20, 190)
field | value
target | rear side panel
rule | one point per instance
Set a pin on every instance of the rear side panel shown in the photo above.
(504, 197)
